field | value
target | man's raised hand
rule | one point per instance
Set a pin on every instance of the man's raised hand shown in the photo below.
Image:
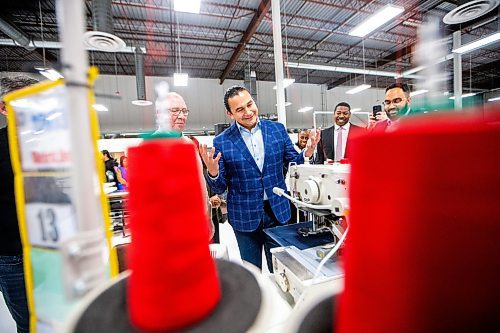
(210, 161)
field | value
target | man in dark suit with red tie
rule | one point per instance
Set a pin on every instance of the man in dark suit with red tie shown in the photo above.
(334, 142)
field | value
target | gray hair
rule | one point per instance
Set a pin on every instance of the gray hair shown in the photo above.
(10, 84)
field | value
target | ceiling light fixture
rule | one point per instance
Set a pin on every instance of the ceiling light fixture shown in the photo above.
(140, 102)
(355, 109)
(100, 107)
(358, 89)
(286, 104)
(286, 83)
(340, 69)
(50, 73)
(418, 92)
(376, 20)
(131, 134)
(305, 109)
(414, 70)
(187, 6)
(464, 95)
(478, 43)
(181, 79)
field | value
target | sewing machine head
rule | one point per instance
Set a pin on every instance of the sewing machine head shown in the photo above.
(321, 190)
(321, 186)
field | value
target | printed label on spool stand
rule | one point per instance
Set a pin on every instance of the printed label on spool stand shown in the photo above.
(43, 131)
(50, 224)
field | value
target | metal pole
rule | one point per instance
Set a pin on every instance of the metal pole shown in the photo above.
(278, 61)
(457, 70)
(86, 193)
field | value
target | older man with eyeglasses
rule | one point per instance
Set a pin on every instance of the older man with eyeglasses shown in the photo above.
(178, 111)
(396, 105)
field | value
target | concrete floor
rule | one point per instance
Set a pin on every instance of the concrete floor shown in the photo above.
(7, 324)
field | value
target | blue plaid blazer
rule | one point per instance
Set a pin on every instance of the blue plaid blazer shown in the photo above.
(239, 174)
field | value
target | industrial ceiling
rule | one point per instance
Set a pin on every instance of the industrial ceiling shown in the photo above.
(229, 36)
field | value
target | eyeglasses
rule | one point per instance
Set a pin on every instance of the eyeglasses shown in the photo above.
(394, 101)
(176, 112)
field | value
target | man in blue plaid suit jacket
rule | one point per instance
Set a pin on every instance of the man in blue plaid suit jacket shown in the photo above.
(248, 162)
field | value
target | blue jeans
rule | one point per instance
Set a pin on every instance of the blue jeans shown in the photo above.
(14, 291)
(251, 243)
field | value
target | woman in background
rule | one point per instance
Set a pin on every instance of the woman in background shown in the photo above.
(110, 168)
(121, 174)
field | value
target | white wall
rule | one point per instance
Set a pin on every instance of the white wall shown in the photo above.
(122, 144)
(204, 98)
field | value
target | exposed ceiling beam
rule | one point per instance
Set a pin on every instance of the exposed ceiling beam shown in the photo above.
(252, 27)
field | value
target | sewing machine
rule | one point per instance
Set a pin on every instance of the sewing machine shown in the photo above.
(321, 191)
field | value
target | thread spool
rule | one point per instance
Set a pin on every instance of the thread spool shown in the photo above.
(169, 238)
(424, 227)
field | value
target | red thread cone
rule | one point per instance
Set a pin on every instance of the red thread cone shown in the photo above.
(422, 254)
(174, 282)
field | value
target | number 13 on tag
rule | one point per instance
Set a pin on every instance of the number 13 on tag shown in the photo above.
(50, 224)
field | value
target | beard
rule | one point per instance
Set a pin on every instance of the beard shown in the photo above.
(395, 113)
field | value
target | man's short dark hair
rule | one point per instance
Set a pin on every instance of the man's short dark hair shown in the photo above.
(10, 84)
(231, 92)
(343, 104)
(402, 86)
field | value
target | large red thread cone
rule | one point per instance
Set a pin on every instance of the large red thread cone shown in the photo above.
(422, 254)
(174, 282)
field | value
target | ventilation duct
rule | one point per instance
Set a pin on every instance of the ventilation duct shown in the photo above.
(251, 82)
(17, 35)
(57, 45)
(471, 12)
(103, 37)
(140, 79)
(103, 17)
(139, 74)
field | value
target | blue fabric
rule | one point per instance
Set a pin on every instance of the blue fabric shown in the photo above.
(251, 243)
(14, 291)
(245, 183)
(288, 235)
